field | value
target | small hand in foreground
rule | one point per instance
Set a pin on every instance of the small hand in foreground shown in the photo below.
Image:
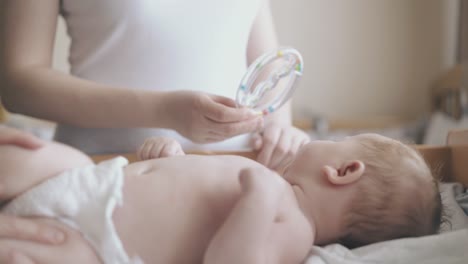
(159, 147)
(278, 144)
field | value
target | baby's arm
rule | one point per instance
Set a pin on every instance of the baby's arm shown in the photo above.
(159, 147)
(250, 234)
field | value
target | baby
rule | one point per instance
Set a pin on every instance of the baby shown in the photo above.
(177, 208)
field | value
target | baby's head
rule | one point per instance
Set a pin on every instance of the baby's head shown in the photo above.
(366, 189)
(396, 197)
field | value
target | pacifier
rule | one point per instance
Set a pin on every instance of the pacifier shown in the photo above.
(270, 81)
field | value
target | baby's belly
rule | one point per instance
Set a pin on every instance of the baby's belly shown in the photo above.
(169, 218)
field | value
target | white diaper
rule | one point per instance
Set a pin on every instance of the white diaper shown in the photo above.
(83, 198)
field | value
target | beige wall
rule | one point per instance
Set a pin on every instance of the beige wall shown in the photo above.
(368, 57)
(362, 57)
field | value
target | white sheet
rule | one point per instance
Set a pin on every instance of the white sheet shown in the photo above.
(446, 248)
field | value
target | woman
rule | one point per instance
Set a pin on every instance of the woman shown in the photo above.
(137, 65)
(144, 68)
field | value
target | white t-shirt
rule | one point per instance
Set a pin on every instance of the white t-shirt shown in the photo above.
(160, 45)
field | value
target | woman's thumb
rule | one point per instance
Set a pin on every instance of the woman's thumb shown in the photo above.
(18, 258)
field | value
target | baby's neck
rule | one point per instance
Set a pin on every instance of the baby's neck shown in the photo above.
(303, 206)
(323, 211)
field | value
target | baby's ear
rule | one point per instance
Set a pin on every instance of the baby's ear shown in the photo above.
(349, 172)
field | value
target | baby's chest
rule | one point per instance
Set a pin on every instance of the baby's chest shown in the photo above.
(292, 234)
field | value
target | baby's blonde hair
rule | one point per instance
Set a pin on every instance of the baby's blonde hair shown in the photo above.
(397, 196)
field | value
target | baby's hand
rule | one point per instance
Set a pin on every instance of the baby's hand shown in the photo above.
(159, 147)
(278, 144)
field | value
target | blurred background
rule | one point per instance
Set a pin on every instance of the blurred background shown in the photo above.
(386, 66)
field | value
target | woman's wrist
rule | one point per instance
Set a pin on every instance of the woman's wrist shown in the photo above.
(159, 112)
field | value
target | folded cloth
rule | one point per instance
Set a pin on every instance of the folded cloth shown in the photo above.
(454, 198)
(446, 248)
(461, 196)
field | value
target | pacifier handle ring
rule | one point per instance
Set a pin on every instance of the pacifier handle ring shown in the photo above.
(244, 91)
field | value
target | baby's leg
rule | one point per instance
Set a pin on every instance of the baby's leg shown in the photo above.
(75, 249)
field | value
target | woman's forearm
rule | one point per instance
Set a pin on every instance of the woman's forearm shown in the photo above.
(48, 94)
(30, 86)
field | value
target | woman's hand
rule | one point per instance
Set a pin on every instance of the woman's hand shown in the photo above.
(278, 144)
(19, 138)
(206, 118)
(9, 186)
(12, 136)
(159, 147)
(12, 227)
(75, 250)
(21, 228)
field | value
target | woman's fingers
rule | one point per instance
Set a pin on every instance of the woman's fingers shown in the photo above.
(11, 256)
(19, 258)
(196, 115)
(220, 111)
(75, 250)
(19, 138)
(28, 229)
(224, 100)
(227, 130)
(24, 252)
